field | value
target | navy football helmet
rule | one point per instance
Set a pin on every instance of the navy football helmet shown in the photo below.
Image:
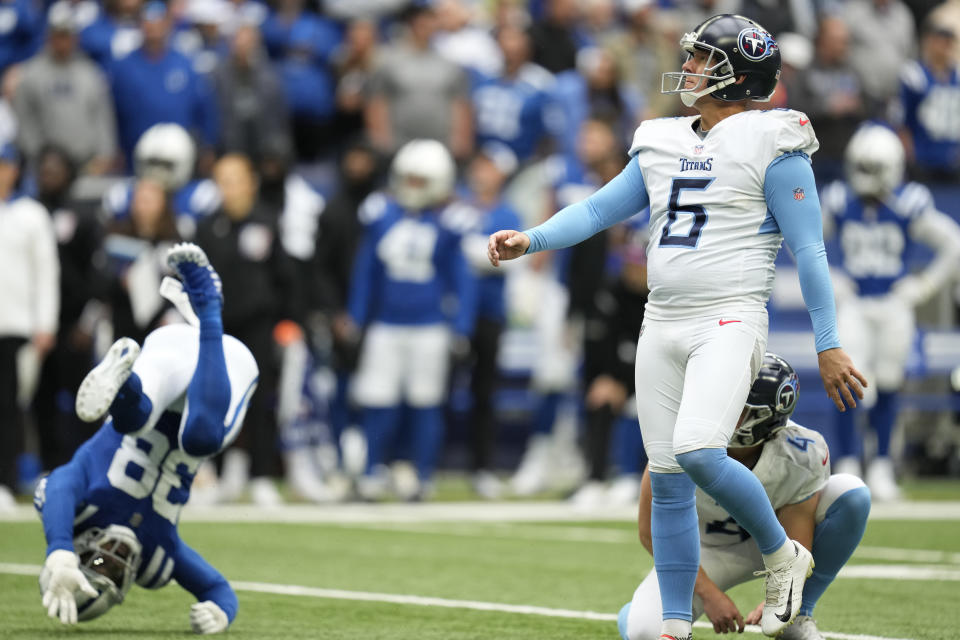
(736, 46)
(770, 403)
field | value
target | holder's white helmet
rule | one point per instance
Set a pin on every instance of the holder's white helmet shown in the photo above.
(874, 161)
(109, 559)
(166, 153)
(422, 174)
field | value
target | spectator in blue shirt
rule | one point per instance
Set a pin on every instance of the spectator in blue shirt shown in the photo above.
(309, 84)
(513, 108)
(930, 95)
(21, 31)
(113, 32)
(157, 84)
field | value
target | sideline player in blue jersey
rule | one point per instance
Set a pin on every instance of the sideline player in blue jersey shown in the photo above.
(110, 514)
(408, 264)
(724, 188)
(826, 513)
(879, 220)
(166, 153)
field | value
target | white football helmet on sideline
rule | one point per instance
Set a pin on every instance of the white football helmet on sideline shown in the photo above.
(109, 559)
(874, 161)
(166, 153)
(422, 174)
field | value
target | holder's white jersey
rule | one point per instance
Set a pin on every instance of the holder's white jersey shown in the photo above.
(712, 239)
(793, 465)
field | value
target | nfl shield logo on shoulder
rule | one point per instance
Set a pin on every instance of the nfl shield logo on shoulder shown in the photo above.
(798, 193)
(698, 149)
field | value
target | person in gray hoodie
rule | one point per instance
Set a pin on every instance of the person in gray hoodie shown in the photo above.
(63, 100)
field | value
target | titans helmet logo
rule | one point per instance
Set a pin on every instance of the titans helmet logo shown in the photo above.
(787, 394)
(755, 44)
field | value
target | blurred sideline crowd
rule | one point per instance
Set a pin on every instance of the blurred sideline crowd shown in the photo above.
(303, 144)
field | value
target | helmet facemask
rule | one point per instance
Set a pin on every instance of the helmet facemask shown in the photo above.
(769, 405)
(717, 72)
(109, 559)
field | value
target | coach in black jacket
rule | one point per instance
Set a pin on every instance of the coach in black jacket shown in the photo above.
(260, 288)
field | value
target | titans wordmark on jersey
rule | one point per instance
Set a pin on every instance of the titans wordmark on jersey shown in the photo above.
(712, 241)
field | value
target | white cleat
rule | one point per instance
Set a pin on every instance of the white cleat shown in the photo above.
(100, 387)
(803, 628)
(487, 485)
(591, 495)
(624, 491)
(847, 464)
(882, 481)
(200, 281)
(533, 474)
(264, 493)
(784, 584)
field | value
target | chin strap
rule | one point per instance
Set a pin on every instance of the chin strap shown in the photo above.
(689, 98)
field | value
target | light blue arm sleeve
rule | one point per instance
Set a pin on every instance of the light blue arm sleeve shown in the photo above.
(800, 222)
(622, 197)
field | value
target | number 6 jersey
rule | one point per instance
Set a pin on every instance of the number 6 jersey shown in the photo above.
(712, 239)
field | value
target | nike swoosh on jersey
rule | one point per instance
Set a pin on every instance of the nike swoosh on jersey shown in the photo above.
(803, 122)
(825, 457)
(723, 322)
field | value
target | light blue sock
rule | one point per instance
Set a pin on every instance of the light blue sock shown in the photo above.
(834, 541)
(676, 542)
(622, 618)
(882, 418)
(738, 491)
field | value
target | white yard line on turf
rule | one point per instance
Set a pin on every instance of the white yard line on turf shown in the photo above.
(528, 511)
(907, 555)
(424, 601)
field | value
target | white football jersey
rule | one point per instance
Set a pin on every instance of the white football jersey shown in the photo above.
(793, 465)
(712, 240)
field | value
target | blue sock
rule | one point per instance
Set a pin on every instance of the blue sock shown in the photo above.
(738, 491)
(847, 439)
(427, 427)
(130, 408)
(676, 542)
(834, 541)
(882, 418)
(380, 427)
(546, 413)
(622, 618)
(208, 395)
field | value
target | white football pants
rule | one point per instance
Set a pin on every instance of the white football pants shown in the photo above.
(693, 377)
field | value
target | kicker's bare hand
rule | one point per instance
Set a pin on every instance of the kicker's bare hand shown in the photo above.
(506, 245)
(839, 377)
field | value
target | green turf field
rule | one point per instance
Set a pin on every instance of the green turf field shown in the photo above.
(574, 566)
